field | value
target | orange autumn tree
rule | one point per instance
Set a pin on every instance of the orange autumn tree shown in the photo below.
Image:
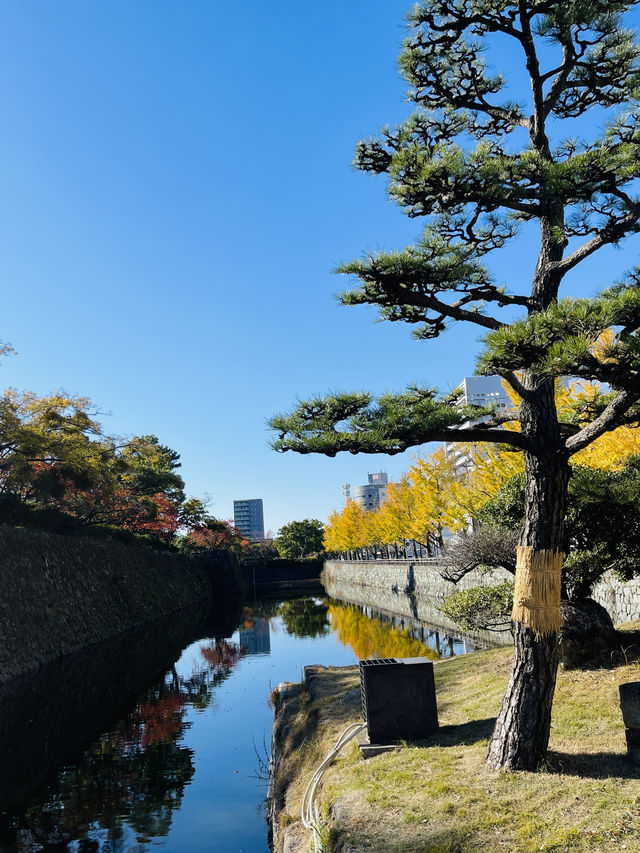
(59, 469)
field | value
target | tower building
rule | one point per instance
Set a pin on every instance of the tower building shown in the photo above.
(373, 493)
(248, 517)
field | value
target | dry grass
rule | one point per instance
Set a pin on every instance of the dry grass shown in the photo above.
(441, 798)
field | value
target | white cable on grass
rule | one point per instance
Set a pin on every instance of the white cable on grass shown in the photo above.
(309, 811)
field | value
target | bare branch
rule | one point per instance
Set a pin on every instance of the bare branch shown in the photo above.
(537, 131)
(485, 432)
(490, 545)
(568, 64)
(504, 416)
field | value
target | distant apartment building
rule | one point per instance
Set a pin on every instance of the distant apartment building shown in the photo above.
(248, 517)
(372, 495)
(483, 391)
(476, 391)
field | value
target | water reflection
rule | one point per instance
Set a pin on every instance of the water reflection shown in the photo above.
(125, 786)
(368, 632)
(372, 633)
(371, 637)
(131, 744)
(255, 636)
(136, 773)
(305, 617)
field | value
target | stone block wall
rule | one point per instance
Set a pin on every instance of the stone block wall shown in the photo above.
(59, 594)
(409, 576)
(620, 598)
(410, 589)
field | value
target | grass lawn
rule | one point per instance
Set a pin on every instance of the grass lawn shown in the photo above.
(440, 797)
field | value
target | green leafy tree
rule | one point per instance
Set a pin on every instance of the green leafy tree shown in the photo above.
(56, 460)
(50, 445)
(213, 534)
(136, 487)
(477, 164)
(481, 607)
(300, 538)
(151, 469)
(193, 513)
(602, 523)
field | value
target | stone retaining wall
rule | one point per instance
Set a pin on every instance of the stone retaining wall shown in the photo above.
(620, 598)
(393, 577)
(59, 594)
(410, 589)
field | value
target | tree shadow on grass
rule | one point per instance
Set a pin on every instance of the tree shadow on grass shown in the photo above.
(464, 734)
(594, 765)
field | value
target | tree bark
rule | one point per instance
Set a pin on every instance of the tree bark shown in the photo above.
(521, 733)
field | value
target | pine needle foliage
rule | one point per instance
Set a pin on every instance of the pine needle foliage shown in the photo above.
(476, 164)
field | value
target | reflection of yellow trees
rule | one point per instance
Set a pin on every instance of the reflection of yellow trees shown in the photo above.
(372, 638)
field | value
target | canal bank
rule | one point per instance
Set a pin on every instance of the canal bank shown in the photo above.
(391, 581)
(438, 794)
(64, 593)
(413, 589)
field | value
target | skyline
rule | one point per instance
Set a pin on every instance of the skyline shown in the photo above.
(177, 188)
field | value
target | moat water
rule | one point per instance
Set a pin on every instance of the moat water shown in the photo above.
(161, 740)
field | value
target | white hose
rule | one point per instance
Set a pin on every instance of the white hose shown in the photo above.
(309, 811)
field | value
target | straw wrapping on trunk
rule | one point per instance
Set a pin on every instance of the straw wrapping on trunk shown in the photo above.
(536, 594)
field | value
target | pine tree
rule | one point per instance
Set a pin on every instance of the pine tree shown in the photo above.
(477, 166)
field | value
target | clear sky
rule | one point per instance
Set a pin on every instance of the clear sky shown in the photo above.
(175, 190)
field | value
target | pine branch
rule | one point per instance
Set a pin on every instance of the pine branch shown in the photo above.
(537, 130)
(612, 417)
(391, 424)
(503, 416)
(562, 73)
(510, 377)
(609, 234)
(560, 341)
(412, 286)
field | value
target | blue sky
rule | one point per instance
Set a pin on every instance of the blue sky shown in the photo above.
(175, 190)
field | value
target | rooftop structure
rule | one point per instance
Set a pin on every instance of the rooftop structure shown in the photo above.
(476, 391)
(373, 493)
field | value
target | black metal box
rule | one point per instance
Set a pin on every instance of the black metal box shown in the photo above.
(398, 699)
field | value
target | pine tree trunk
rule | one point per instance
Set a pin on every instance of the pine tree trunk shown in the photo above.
(521, 733)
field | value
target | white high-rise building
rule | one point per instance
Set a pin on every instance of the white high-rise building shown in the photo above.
(476, 391)
(483, 391)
